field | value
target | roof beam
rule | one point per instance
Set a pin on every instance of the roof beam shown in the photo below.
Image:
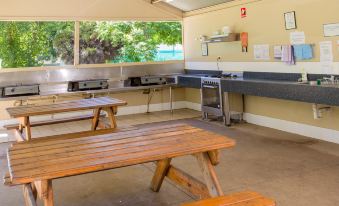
(156, 1)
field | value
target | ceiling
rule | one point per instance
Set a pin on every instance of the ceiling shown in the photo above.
(189, 5)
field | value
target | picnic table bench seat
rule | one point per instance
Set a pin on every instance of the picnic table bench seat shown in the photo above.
(53, 121)
(36, 163)
(246, 198)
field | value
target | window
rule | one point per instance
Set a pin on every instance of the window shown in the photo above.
(33, 44)
(117, 42)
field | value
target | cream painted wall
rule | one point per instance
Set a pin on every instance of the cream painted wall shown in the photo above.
(86, 10)
(265, 25)
(291, 111)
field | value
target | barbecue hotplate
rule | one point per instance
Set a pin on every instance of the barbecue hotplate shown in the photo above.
(20, 90)
(82, 85)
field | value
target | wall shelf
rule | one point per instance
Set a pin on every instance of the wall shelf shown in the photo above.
(223, 38)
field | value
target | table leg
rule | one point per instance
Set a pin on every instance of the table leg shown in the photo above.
(214, 157)
(45, 191)
(29, 195)
(111, 117)
(25, 126)
(171, 99)
(160, 174)
(96, 118)
(209, 174)
(28, 129)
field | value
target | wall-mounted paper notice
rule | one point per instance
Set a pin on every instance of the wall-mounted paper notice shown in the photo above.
(326, 57)
(331, 30)
(326, 51)
(297, 38)
(262, 52)
(277, 52)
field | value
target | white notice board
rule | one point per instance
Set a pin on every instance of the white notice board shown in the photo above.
(331, 30)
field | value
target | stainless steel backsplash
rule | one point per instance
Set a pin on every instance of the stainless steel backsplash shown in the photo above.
(68, 74)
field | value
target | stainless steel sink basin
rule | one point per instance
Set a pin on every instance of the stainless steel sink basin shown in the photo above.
(323, 84)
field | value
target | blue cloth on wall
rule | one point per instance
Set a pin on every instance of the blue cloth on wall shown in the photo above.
(307, 51)
(298, 52)
(303, 51)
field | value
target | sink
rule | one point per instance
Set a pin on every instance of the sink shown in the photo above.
(304, 83)
(323, 84)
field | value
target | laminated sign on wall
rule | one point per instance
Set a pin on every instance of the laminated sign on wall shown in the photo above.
(326, 56)
(262, 52)
(331, 30)
(297, 38)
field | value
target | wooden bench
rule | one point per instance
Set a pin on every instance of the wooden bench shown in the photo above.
(54, 121)
(36, 163)
(237, 199)
(23, 113)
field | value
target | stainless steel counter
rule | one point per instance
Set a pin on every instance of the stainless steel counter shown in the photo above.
(55, 89)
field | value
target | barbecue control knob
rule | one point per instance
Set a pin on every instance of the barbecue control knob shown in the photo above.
(13, 90)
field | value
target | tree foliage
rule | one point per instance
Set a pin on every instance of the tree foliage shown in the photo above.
(29, 44)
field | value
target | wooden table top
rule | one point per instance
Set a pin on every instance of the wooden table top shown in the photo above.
(67, 106)
(60, 156)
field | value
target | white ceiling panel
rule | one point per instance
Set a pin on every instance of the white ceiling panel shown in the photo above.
(189, 5)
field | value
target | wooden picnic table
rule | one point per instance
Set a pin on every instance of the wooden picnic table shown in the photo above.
(24, 113)
(36, 163)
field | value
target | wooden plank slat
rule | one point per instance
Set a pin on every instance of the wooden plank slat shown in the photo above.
(88, 136)
(102, 140)
(238, 199)
(75, 105)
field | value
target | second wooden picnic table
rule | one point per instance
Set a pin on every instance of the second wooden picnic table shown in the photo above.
(24, 113)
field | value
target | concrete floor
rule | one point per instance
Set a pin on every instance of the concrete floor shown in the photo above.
(294, 170)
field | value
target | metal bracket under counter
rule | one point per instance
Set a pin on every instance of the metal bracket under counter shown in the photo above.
(149, 90)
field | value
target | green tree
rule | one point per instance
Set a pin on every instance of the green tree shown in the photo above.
(23, 44)
(139, 41)
(30, 44)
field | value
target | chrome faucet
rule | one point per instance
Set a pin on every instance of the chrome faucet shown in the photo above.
(333, 80)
